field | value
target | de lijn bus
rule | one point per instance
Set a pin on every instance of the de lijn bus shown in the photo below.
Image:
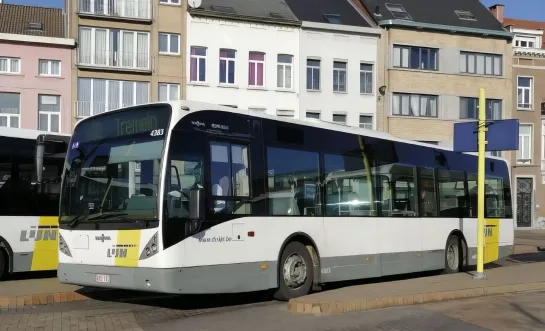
(187, 197)
(29, 199)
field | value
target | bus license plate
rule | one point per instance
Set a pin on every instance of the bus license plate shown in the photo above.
(102, 278)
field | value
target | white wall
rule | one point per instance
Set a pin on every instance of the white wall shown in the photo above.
(329, 46)
(243, 37)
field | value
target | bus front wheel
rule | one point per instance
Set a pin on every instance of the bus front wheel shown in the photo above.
(295, 272)
(453, 255)
(3, 263)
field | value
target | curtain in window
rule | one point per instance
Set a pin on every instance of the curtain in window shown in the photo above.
(84, 97)
(404, 57)
(99, 96)
(55, 67)
(433, 106)
(405, 105)
(497, 65)
(415, 105)
(3, 65)
(471, 63)
(128, 94)
(44, 70)
(163, 92)
(463, 63)
(173, 92)
(480, 64)
(424, 106)
(488, 65)
(142, 49)
(395, 105)
(114, 94)
(397, 57)
(128, 49)
(85, 41)
(193, 65)
(142, 92)
(101, 47)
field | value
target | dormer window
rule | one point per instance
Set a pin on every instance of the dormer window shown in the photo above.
(465, 15)
(525, 42)
(398, 11)
(333, 18)
(36, 26)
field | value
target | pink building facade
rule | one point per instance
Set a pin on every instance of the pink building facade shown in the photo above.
(35, 82)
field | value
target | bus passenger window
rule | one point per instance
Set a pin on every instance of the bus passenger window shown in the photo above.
(453, 201)
(293, 179)
(229, 174)
(402, 189)
(428, 203)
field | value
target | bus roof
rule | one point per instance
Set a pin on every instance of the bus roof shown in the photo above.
(25, 133)
(182, 107)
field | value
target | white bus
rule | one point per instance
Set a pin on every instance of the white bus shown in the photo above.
(29, 205)
(187, 197)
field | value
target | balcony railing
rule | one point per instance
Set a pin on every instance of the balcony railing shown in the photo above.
(89, 108)
(531, 52)
(131, 9)
(114, 59)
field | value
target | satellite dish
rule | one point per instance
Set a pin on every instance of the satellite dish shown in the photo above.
(194, 3)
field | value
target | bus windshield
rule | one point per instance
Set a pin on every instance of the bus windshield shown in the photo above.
(111, 179)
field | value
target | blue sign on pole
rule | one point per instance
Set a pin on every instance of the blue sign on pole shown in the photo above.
(502, 135)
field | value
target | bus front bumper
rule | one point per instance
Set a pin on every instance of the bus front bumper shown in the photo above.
(243, 277)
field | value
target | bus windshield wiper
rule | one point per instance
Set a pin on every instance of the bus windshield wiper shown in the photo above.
(76, 220)
(110, 215)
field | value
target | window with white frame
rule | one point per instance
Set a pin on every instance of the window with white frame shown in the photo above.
(169, 92)
(481, 63)
(525, 42)
(139, 9)
(256, 69)
(169, 43)
(114, 48)
(284, 69)
(417, 105)
(524, 153)
(10, 65)
(313, 74)
(10, 109)
(49, 67)
(227, 66)
(96, 96)
(366, 78)
(339, 118)
(170, 2)
(366, 122)
(339, 76)
(49, 113)
(197, 65)
(524, 93)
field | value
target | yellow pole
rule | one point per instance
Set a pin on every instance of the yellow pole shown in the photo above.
(480, 185)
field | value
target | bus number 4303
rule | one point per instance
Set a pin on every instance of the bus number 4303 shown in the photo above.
(158, 132)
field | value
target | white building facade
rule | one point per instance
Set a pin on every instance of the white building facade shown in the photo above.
(250, 65)
(338, 73)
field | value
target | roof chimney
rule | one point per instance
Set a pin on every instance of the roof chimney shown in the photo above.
(497, 10)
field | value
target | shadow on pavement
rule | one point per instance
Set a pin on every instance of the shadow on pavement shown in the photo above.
(32, 275)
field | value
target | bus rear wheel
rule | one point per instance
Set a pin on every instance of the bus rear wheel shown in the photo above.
(453, 255)
(3, 263)
(295, 272)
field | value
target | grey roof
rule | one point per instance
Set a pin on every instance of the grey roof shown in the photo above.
(441, 12)
(316, 11)
(266, 9)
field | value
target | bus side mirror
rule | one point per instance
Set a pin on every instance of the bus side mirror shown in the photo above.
(196, 204)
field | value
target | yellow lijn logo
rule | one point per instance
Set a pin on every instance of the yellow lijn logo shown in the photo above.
(129, 242)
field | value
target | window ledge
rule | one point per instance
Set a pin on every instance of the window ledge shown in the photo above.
(227, 86)
(367, 94)
(527, 164)
(340, 92)
(285, 90)
(49, 76)
(170, 54)
(257, 88)
(314, 91)
(205, 84)
(418, 70)
(11, 74)
(525, 109)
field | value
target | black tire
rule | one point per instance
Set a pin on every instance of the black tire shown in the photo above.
(300, 253)
(453, 255)
(3, 264)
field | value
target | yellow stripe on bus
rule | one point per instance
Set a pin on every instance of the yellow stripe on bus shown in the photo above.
(491, 239)
(46, 247)
(128, 245)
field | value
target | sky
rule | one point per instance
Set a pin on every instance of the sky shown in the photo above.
(532, 10)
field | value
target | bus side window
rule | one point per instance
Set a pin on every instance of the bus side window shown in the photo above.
(404, 197)
(428, 201)
(453, 199)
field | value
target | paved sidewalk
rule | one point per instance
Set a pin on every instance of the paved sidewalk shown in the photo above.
(521, 277)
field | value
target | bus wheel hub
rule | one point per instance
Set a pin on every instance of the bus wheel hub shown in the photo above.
(295, 271)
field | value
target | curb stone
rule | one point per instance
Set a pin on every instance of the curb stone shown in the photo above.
(345, 306)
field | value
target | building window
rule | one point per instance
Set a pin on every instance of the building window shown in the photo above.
(285, 113)
(417, 105)
(139, 9)
(415, 57)
(493, 153)
(524, 93)
(49, 113)
(524, 153)
(469, 108)
(49, 68)
(114, 48)
(465, 15)
(227, 66)
(169, 92)
(10, 109)
(284, 71)
(398, 11)
(170, 2)
(481, 64)
(258, 109)
(366, 78)
(339, 118)
(169, 43)
(525, 42)
(313, 75)
(256, 69)
(339, 76)
(96, 96)
(366, 122)
(10, 65)
(314, 115)
(198, 64)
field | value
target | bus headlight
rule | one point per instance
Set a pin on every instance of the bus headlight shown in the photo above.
(151, 247)
(63, 247)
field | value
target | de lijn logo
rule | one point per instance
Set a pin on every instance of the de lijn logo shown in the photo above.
(39, 233)
(118, 251)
